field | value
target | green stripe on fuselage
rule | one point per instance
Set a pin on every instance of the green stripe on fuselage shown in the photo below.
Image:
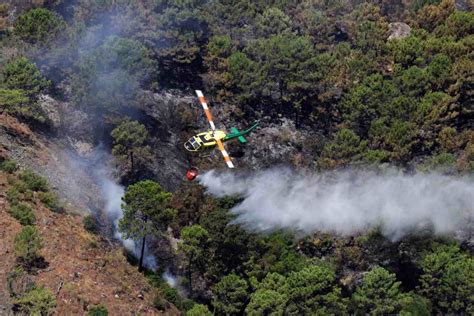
(241, 138)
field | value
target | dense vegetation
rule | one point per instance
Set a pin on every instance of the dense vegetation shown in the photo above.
(329, 67)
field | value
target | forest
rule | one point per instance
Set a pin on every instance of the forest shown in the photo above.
(375, 84)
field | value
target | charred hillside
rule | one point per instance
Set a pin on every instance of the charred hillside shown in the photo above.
(357, 181)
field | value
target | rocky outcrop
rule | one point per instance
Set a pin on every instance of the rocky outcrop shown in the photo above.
(398, 30)
(50, 108)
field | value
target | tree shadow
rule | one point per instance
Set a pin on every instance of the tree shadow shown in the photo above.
(32, 266)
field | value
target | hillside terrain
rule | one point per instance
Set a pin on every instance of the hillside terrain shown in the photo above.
(80, 268)
(353, 195)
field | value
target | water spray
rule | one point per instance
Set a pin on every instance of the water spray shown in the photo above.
(347, 202)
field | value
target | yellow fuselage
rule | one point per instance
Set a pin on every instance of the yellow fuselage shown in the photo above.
(204, 140)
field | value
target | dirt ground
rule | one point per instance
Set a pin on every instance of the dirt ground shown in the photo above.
(82, 269)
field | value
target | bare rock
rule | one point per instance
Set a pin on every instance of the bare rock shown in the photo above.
(83, 148)
(75, 124)
(278, 144)
(50, 108)
(352, 279)
(399, 30)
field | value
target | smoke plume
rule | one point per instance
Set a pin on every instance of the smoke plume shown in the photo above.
(347, 202)
(96, 168)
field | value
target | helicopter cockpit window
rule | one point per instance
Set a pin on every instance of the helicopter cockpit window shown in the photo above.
(192, 144)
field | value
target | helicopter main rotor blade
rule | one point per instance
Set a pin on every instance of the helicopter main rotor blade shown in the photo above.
(224, 153)
(219, 143)
(206, 109)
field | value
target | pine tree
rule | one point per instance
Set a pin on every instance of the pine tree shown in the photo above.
(145, 211)
(129, 144)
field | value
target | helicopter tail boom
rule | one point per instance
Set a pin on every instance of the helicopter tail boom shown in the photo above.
(240, 135)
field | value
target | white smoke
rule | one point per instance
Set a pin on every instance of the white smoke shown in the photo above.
(111, 194)
(170, 278)
(347, 202)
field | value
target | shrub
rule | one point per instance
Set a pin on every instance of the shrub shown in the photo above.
(187, 304)
(18, 282)
(171, 294)
(19, 185)
(28, 243)
(8, 166)
(50, 200)
(159, 303)
(33, 181)
(23, 213)
(91, 224)
(13, 196)
(98, 310)
(39, 301)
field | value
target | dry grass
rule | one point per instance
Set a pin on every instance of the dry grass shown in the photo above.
(83, 269)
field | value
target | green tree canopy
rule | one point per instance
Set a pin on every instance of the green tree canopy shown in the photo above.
(180, 33)
(23, 213)
(194, 244)
(271, 296)
(346, 145)
(11, 100)
(314, 289)
(110, 76)
(460, 24)
(284, 68)
(272, 22)
(20, 83)
(145, 211)
(448, 280)
(123, 53)
(267, 302)
(38, 25)
(21, 74)
(231, 295)
(199, 310)
(360, 106)
(380, 294)
(129, 144)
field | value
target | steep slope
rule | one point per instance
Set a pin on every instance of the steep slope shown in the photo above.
(82, 269)
(48, 157)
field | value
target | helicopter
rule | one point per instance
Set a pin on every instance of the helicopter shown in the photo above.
(212, 138)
